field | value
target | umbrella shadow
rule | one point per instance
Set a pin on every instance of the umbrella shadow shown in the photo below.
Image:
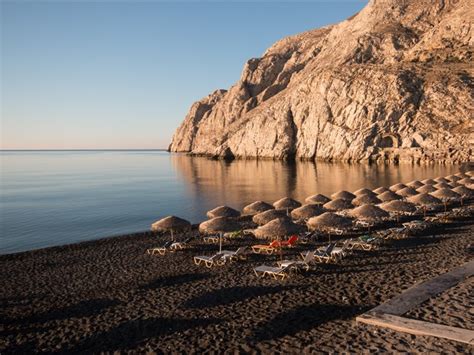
(174, 280)
(86, 308)
(226, 296)
(304, 318)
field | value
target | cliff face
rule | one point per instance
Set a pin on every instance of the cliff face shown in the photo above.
(392, 83)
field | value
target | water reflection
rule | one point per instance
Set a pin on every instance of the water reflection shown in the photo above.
(240, 182)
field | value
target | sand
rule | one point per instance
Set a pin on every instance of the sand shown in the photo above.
(110, 295)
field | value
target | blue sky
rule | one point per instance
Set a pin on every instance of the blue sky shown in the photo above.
(123, 74)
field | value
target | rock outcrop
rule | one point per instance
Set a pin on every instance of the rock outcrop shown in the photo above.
(392, 83)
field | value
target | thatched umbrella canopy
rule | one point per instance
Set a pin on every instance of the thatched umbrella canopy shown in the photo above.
(463, 191)
(440, 179)
(329, 220)
(364, 191)
(219, 225)
(223, 211)
(317, 199)
(461, 174)
(453, 178)
(381, 190)
(397, 187)
(424, 199)
(407, 192)
(446, 194)
(426, 189)
(286, 203)
(388, 196)
(172, 224)
(338, 204)
(466, 181)
(345, 195)
(257, 207)
(365, 200)
(265, 217)
(277, 228)
(454, 184)
(442, 185)
(428, 182)
(307, 211)
(368, 212)
(415, 184)
(470, 173)
(398, 206)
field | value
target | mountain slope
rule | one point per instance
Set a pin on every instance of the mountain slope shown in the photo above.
(394, 82)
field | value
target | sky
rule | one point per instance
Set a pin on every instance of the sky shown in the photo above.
(123, 74)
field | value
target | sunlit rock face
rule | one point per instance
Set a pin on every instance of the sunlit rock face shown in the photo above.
(392, 83)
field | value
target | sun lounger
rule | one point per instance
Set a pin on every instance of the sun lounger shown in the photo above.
(209, 261)
(229, 255)
(291, 242)
(160, 250)
(366, 242)
(266, 248)
(180, 245)
(275, 272)
(298, 264)
(211, 239)
(324, 255)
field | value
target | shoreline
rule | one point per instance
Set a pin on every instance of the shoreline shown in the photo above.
(108, 294)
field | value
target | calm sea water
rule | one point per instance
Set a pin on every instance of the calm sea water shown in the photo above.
(58, 197)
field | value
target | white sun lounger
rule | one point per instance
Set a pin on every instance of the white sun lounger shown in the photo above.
(275, 272)
(208, 261)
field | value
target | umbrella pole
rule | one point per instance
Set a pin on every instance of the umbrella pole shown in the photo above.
(220, 242)
(281, 251)
(172, 236)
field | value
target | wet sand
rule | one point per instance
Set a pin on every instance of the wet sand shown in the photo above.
(110, 295)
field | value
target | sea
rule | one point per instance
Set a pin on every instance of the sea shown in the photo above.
(50, 198)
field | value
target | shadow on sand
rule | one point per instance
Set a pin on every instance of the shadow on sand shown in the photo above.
(225, 296)
(303, 318)
(174, 280)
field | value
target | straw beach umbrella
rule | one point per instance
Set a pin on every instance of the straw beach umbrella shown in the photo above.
(345, 195)
(415, 184)
(223, 211)
(381, 190)
(466, 181)
(286, 203)
(446, 195)
(426, 189)
(307, 211)
(171, 224)
(424, 200)
(327, 221)
(440, 179)
(317, 199)
(442, 185)
(453, 178)
(368, 212)
(257, 207)
(366, 200)
(464, 192)
(407, 192)
(338, 205)
(265, 217)
(278, 228)
(364, 191)
(470, 173)
(219, 225)
(428, 182)
(388, 196)
(397, 187)
(398, 207)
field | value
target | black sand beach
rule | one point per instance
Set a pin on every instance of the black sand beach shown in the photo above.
(109, 295)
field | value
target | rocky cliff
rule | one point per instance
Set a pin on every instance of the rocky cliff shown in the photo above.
(392, 83)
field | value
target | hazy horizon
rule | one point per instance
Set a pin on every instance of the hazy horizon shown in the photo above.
(117, 75)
